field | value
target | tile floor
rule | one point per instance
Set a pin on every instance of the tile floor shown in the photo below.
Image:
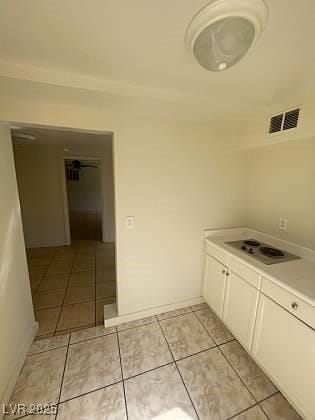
(177, 366)
(70, 285)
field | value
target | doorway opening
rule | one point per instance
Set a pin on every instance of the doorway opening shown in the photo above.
(84, 198)
(66, 190)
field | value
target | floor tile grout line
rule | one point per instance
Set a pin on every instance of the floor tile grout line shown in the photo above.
(58, 319)
(238, 375)
(91, 338)
(210, 348)
(255, 405)
(62, 378)
(84, 394)
(148, 371)
(122, 376)
(44, 275)
(242, 411)
(182, 379)
(262, 408)
(95, 286)
(136, 326)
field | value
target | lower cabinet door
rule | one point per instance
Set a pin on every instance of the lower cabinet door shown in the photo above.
(285, 348)
(214, 284)
(241, 301)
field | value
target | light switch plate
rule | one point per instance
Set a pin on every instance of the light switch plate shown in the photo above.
(283, 224)
(130, 222)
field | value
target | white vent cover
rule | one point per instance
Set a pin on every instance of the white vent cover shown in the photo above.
(284, 121)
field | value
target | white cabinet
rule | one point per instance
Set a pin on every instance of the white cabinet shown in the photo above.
(241, 300)
(214, 284)
(285, 347)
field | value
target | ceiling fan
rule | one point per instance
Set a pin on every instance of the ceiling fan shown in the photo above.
(78, 165)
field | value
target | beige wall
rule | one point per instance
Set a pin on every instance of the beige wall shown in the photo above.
(176, 177)
(176, 180)
(17, 324)
(38, 169)
(281, 180)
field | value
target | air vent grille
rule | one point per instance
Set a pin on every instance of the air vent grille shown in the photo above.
(291, 119)
(276, 123)
(284, 121)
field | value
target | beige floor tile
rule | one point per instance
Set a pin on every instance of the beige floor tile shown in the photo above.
(136, 323)
(71, 330)
(199, 306)
(254, 413)
(102, 263)
(253, 377)
(278, 408)
(85, 251)
(37, 416)
(214, 326)
(40, 379)
(76, 315)
(65, 250)
(108, 403)
(100, 308)
(47, 319)
(105, 246)
(215, 389)
(105, 275)
(64, 259)
(109, 253)
(54, 282)
(80, 294)
(41, 261)
(41, 252)
(105, 290)
(90, 333)
(91, 365)
(35, 282)
(59, 268)
(83, 266)
(84, 258)
(38, 271)
(82, 278)
(170, 314)
(185, 335)
(51, 343)
(49, 299)
(159, 394)
(152, 353)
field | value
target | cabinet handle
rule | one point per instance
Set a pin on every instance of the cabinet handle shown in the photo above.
(294, 306)
(223, 271)
(227, 273)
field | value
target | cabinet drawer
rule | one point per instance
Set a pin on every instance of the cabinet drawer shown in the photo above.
(248, 274)
(290, 302)
(217, 253)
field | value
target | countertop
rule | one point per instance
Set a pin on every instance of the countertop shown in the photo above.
(296, 276)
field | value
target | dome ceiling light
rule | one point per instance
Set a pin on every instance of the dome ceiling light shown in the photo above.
(222, 32)
(22, 139)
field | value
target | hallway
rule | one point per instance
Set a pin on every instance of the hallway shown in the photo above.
(71, 284)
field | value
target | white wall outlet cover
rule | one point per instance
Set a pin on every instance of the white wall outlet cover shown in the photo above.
(283, 224)
(130, 222)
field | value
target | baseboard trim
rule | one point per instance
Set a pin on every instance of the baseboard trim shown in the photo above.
(150, 312)
(5, 398)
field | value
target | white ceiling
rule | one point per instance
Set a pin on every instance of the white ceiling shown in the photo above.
(137, 47)
(73, 140)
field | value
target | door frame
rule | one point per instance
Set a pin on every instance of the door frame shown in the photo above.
(65, 202)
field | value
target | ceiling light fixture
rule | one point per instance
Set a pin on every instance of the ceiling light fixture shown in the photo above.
(22, 139)
(222, 32)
